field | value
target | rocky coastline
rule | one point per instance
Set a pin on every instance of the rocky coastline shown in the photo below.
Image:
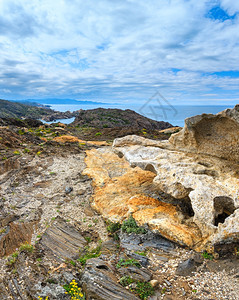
(120, 213)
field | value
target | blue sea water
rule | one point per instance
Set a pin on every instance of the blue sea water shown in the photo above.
(172, 114)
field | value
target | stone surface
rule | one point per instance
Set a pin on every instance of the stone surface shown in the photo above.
(140, 242)
(15, 235)
(63, 240)
(210, 183)
(216, 135)
(136, 273)
(100, 283)
(187, 267)
(121, 190)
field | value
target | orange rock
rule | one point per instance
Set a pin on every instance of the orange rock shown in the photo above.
(66, 139)
(73, 139)
(120, 190)
(61, 125)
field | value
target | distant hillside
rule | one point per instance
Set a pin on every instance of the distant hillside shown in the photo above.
(10, 109)
(50, 101)
(112, 118)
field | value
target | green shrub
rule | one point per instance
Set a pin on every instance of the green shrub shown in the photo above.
(207, 255)
(113, 227)
(89, 254)
(126, 280)
(21, 132)
(130, 226)
(26, 247)
(143, 290)
(26, 150)
(141, 253)
(128, 262)
(88, 239)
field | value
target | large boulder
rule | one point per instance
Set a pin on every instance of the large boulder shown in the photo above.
(216, 135)
(210, 183)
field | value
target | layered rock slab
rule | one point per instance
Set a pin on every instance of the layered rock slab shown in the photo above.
(211, 184)
(63, 240)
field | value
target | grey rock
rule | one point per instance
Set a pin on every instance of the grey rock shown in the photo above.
(136, 273)
(100, 283)
(63, 240)
(140, 242)
(68, 189)
(187, 267)
(142, 259)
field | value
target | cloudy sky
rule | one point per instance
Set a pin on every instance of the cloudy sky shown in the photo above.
(120, 50)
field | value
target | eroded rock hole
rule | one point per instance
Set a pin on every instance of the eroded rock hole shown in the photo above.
(102, 267)
(151, 168)
(224, 207)
(184, 205)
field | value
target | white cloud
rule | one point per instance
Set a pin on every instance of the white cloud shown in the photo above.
(116, 49)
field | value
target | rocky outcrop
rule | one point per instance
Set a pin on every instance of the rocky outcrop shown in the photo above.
(56, 115)
(112, 118)
(214, 135)
(196, 164)
(210, 183)
(194, 167)
(121, 190)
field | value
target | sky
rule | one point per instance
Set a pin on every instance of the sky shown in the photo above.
(120, 50)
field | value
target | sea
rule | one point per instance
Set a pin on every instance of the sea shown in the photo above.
(175, 115)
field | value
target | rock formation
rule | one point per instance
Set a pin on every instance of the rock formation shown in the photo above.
(195, 168)
(215, 135)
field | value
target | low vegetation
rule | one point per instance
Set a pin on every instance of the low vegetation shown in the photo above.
(26, 247)
(89, 254)
(128, 262)
(74, 291)
(207, 255)
(142, 289)
(130, 226)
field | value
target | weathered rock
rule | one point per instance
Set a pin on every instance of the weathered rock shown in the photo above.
(136, 273)
(15, 235)
(187, 267)
(63, 240)
(144, 261)
(140, 242)
(209, 134)
(100, 283)
(121, 190)
(210, 183)
(72, 139)
(8, 165)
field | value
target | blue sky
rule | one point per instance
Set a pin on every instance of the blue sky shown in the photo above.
(121, 50)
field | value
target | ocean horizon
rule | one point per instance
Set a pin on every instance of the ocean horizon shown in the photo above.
(175, 115)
